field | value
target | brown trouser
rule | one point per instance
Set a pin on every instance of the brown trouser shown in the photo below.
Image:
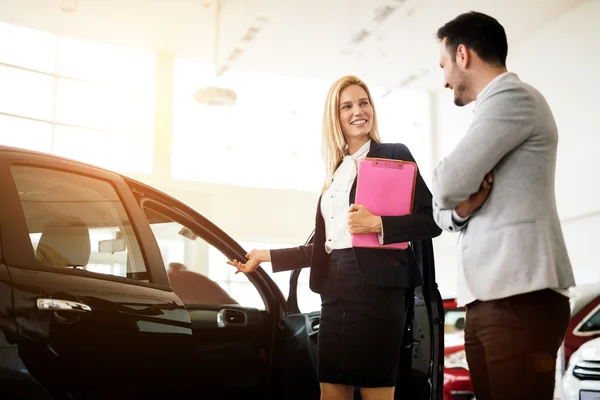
(512, 343)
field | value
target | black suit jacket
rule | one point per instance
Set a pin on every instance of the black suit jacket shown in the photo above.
(385, 268)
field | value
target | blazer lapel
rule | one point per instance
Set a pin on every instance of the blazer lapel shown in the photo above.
(373, 152)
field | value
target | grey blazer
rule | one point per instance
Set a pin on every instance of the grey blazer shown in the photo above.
(514, 244)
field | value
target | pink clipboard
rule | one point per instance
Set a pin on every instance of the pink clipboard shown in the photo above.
(386, 188)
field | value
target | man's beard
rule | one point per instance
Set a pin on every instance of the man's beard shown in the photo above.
(458, 100)
(460, 90)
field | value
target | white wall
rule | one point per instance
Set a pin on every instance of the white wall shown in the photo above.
(561, 60)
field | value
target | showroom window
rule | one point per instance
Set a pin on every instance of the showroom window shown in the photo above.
(86, 101)
(28, 48)
(25, 133)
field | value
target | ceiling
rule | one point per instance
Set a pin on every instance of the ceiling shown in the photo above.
(385, 42)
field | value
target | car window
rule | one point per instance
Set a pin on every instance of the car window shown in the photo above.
(592, 323)
(78, 222)
(198, 271)
(454, 320)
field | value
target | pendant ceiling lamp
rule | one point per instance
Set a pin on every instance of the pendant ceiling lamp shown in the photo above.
(216, 95)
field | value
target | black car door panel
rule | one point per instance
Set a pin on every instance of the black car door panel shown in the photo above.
(13, 380)
(233, 348)
(297, 356)
(107, 344)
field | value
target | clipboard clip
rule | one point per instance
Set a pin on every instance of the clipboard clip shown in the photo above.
(388, 164)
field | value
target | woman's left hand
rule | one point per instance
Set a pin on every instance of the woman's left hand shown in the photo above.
(360, 220)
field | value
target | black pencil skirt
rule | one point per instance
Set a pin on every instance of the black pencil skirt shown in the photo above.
(361, 327)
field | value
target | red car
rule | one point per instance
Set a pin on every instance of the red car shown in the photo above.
(585, 309)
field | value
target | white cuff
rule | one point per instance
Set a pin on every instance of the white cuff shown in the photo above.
(458, 219)
(380, 235)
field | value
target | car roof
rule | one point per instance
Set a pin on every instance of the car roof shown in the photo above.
(16, 150)
(13, 150)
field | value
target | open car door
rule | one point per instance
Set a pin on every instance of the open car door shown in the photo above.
(421, 372)
(235, 318)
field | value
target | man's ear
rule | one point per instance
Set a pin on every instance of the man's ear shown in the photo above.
(463, 57)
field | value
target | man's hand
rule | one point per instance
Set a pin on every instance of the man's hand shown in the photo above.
(255, 257)
(476, 200)
(360, 220)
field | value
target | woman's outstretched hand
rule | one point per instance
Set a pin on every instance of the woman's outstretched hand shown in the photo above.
(255, 257)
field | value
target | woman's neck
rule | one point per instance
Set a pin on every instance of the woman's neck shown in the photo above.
(356, 143)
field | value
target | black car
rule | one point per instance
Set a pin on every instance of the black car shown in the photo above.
(94, 304)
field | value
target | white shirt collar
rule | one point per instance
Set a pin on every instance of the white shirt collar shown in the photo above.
(360, 153)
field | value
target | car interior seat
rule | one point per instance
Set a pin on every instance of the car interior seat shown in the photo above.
(64, 243)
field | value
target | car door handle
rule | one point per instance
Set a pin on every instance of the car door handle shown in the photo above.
(229, 317)
(62, 305)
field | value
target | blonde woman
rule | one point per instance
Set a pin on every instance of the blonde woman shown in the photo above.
(363, 291)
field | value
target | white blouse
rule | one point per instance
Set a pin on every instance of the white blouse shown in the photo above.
(335, 202)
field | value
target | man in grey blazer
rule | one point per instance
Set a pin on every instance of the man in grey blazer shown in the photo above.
(497, 188)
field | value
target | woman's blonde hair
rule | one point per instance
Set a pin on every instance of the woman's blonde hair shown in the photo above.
(333, 146)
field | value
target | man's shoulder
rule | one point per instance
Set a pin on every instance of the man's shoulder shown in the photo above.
(512, 86)
(512, 95)
(509, 96)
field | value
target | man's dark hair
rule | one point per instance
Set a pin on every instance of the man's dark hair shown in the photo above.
(479, 32)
